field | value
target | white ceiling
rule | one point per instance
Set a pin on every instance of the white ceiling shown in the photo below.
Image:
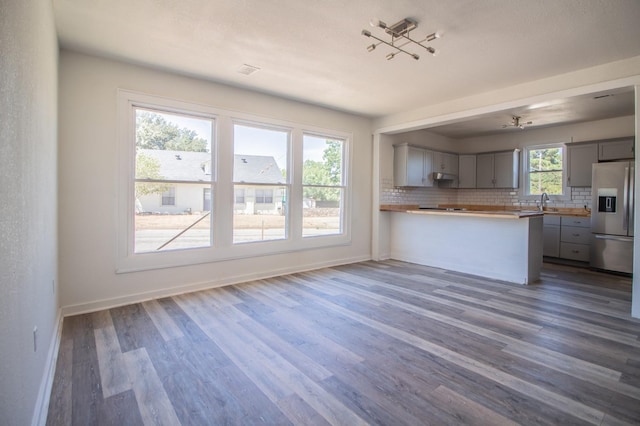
(313, 50)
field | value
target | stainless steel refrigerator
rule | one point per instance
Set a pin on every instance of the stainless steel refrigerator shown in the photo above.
(612, 216)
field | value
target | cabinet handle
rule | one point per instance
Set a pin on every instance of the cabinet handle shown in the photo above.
(576, 235)
(575, 251)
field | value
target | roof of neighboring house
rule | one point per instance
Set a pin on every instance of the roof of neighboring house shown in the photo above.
(196, 166)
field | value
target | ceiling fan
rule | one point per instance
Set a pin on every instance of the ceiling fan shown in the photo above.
(515, 122)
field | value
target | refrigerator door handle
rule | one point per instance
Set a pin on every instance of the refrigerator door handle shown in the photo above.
(632, 176)
(625, 201)
(612, 237)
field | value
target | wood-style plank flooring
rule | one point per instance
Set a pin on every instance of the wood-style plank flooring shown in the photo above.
(370, 343)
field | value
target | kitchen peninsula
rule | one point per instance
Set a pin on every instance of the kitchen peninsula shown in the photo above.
(498, 244)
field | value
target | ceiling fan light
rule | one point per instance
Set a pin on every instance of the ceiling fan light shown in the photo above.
(400, 31)
(434, 36)
(375, 22)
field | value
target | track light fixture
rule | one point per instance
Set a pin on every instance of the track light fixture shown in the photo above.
(399, 33)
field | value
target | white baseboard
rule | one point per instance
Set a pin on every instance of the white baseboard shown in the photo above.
(44, 393)
(99, 305)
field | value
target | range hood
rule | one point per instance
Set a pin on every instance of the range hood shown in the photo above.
(444, 176)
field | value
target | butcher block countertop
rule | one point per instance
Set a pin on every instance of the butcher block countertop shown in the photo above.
(487, 210)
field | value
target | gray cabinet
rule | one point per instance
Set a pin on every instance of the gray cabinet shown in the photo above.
(445, 163)
(618, 149)
(567, 237)
(484, 171)
(412, 166)
(551, 236)
(579, 160)
(466, 171)
(498, 169)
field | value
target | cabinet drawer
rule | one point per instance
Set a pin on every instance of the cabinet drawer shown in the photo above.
(574, 251)
(573, 234)
(551, 220)
(582, 222)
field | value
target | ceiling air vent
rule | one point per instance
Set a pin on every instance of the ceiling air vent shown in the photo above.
(247, 69)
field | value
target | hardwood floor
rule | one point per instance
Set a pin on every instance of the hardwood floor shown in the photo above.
(370, 343)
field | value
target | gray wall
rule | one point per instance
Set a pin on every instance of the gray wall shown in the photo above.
(28, 212)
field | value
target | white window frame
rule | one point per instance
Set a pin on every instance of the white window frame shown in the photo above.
(526, 176)
(222, 188)
(343, 184)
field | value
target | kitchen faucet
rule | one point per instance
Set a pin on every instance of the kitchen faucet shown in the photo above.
(544, 197)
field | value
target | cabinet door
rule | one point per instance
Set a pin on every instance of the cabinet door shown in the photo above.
(466, 171)
(551, 241)
(506, 167)
(408, 166)
(415, 166)
(616, 150)
(445, 163)
(484, 171)
(427, 168)
(451, 163)
(580, 159)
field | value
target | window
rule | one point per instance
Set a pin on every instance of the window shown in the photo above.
(544, 170)
(260, 163)
(239, 195)
(172, 152)
(169, 197)
(264, 196)
(266, 188)
(323, 185)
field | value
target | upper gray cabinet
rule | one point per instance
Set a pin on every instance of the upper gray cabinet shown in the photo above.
(412, 166)
(618, 149)
(498, 169)
(445, 163)
(466, 171)
(580, 159)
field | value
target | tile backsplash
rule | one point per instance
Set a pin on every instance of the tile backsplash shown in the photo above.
(580, 196)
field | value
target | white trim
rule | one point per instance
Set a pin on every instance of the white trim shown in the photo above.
(99, 305)
(46, 385)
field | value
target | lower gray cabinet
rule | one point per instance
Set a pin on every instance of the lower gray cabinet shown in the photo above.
(551, 236)
(567, 237)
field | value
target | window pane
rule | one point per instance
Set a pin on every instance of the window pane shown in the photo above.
(549, 182)
(260, 155)
(173, 172)
(321, 211)
(545, 159)
(322, 161)
(262, 214)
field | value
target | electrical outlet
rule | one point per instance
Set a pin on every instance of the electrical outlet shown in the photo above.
(35, 338)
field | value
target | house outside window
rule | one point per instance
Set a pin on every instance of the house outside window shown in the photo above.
(544, 170)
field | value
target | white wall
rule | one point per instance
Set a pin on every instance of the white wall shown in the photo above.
(88, 167)
(28, 212)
